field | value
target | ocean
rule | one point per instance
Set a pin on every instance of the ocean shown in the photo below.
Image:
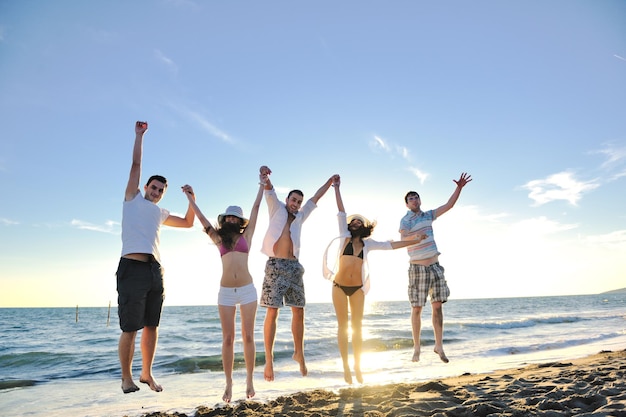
(63, 361)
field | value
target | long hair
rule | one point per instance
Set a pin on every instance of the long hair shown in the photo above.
(228, 233)
(362, 232)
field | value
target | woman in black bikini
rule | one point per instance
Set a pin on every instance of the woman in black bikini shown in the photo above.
(351, 279)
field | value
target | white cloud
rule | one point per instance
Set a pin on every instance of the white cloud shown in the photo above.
(616, 239)
(209, 127)
(560, 186)
(390, 148)
(422, 176)
(539, 226)
(403, 151)
(394, 150)
(109, 226)
(619, 57)
(614, 156)
(165, 60)
(379, 143)
(204, 123)
(7, 222)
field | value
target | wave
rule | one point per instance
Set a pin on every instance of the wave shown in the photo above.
(16, 383)
(520, 323)
(539, 347)
(213, 363)
(33, 359)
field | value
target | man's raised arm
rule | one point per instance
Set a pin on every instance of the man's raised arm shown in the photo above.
(132, 188)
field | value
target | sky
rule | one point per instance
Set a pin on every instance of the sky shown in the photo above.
(528, 97)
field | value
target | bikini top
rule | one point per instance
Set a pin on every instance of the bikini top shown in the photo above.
(240, 246)
(349, 250)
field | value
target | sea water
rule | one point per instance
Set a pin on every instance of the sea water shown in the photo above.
(63, 361)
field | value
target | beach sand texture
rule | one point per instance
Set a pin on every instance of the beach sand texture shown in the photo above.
(591, 386)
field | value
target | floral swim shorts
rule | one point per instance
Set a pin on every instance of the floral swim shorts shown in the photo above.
(283, 284)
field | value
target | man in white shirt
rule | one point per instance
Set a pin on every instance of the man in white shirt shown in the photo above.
(139, 273)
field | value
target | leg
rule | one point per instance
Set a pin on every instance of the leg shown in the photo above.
(126, 351)
(340, 302)
(297, 330)
(248, 316)
(356, 311)
(269, 334)
(437, 307)
(227, 319)
(416, 326)
(149, 337)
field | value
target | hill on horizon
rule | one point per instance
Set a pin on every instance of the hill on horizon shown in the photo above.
(621, 290)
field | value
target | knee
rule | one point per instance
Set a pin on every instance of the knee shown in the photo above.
(298, 313)
(228, 340)
(271, 314)
(248, 337)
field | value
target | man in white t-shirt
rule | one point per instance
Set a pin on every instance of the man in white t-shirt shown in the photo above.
(139, 274)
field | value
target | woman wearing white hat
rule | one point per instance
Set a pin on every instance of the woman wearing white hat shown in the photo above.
(350, 279)
(233, 237)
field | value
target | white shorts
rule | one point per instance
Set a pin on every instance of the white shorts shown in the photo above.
(231, 296)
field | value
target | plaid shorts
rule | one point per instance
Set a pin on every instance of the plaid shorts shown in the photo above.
(427, 281)
(283, 283)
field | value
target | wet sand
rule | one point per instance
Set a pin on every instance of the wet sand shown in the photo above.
(591, 386)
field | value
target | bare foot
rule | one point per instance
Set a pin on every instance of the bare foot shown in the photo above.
(268, 374)
(442, 355)
(300, 359)
(359, 375)
(347, 374)
(250, 390)
(228, 392)
(416, 355)
(151, 382)
(129, 386)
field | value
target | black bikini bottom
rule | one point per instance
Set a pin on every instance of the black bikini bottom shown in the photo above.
(348, 290)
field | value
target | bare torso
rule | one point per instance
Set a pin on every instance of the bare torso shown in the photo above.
(427, 261)
(235, 271)
(350, 267)
(283, 248)
(143, 257)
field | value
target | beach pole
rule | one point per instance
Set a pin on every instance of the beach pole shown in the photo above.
(76, 313)
(109, 314)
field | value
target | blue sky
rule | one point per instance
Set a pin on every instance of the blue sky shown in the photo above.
(528, 97)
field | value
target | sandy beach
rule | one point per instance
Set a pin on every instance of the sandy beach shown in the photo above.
(590, 386)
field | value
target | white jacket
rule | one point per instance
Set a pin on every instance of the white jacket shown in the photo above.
(369, 244)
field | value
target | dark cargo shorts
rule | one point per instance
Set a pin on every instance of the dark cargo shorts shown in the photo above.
(140, 294)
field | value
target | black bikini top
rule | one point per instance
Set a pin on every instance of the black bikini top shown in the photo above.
(349, 250)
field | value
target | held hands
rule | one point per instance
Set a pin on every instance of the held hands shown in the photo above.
(264, 177)
(141, 127)
(336, 180)
(463, 180)
(188, 191)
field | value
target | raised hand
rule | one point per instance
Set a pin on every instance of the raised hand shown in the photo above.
(463, 180)
(141, 127)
